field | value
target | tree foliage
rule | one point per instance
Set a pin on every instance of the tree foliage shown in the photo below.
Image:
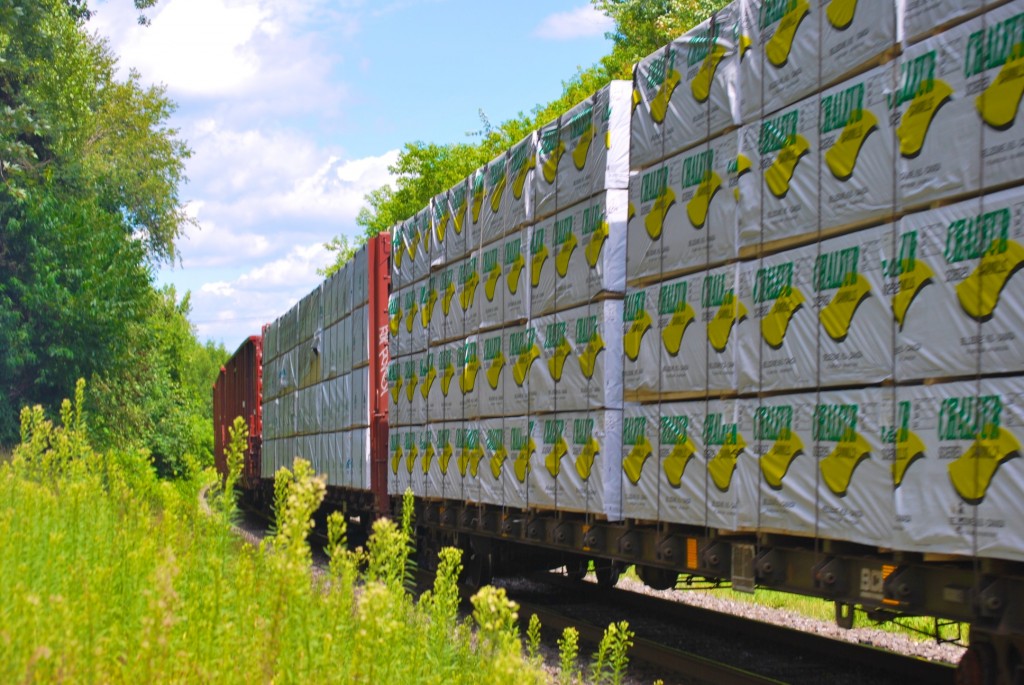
(89, 206)
(423, 170)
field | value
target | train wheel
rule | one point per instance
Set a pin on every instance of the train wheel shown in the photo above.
(977, 666)
(607, 572)
(657, 578)
(576, 568)
(478, 563)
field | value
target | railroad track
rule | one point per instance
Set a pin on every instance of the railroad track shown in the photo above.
(816, 658)
(689, 644)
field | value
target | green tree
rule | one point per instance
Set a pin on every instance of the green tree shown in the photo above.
(89, 205)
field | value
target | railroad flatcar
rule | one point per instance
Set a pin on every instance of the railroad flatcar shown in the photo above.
(744, 319)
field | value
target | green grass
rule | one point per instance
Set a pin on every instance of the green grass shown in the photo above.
(108, 574)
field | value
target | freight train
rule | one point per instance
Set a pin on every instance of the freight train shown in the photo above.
(753, 318)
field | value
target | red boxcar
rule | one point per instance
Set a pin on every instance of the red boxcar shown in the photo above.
(238, 391)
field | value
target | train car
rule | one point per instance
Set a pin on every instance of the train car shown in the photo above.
(700, 332)
(238, 392)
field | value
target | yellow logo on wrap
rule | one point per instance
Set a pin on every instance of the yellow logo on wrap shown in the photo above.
(778, 47)
(698, 170)
(497, 461)
(522, 161)
(581, 127)
(538, 255)
(700, 87)
(845, 110)
(495, 358)
(998, 46)
(470, 368)
(908, 446)
(634, 436)
(444, 360)
(396, 454)
(524, 447)
(470, 457)
(840, 13)
(722, 466)
(553, 437)
(428, 458)
(776, 424)
(911, 273)
(663, 72)
(979, 293)
(428, 373)
(556, 341)
(469, 279)
(492, 267)
(478, 196)
(838, 423)
(839, 270)
(926, 95)
(676, 462)
(589, 448)
(410, 459)
(395, 381)
(780, 135)
(716, 293)
(566, 241)
(654, 188)
(978, 419)
(741, 166)
(639, 320)
(445, 443)
(497, 188)
(551, 150)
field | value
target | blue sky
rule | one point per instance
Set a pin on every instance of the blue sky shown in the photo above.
(295, 108)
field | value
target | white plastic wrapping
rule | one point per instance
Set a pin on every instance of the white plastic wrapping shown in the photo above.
(858, 163)
(922, 17)
(783, 58)
(852, 34)
(959, 488)
(522, 350)
(542, 267)
(397, 475)
(469, 454)
(855, 341)
(582, 359)
(449, 379)
(588, 249)
(417, 246)
(641, 478)
(468, 378)
(456, 238)
(514, 283)
(440, 226)
(993, 70)
(683, 211)
(468, 291)
(779, 196)
(427, 302)
(430, 384)
(490, 219)
(958, 299)
(492, 300)
(517, 202)
(939, 142)
(414, 337)
(703, 82)
(491, 469)
(447, 322)
(493, 376)
(588, 474)
(416, 406)
(585, 151)
(548, 461)
(521, 451)
(398, 414)
(641, 336)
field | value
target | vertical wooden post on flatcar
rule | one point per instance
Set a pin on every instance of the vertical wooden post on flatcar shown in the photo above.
(379, 289)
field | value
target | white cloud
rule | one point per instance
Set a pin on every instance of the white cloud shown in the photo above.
(582, 22)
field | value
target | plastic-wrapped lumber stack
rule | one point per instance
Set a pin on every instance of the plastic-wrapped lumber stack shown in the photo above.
(317, 398)
(485, 366)
(849, 367)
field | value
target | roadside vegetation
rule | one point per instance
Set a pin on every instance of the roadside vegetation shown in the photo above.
(111, 574)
